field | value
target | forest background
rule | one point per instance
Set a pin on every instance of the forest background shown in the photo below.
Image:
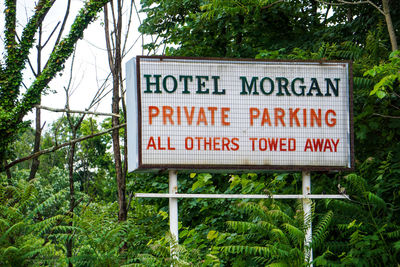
(66, 198)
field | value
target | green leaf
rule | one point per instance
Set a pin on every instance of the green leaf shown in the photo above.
(381, 94)
(212, 235)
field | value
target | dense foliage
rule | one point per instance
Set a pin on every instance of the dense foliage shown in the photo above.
(14, 103)
(35, 218)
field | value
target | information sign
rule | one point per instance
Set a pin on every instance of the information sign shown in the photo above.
(196, 113)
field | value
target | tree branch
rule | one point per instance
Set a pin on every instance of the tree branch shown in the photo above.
(77, 111)
(344, 2)
(51, 34)
(386, 116)
(108, 41)
(61, 29)
(54, 148)
(58, 58)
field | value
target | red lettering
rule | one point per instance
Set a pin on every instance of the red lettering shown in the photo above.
(178, 115)
(159, 144)
(212, 110)
(315, 117)
(225, 143)
(252, 139)
(167, 113)
(293, 115)
(279, 115)
(216, 143)
(207, 143)
(198, 142)
(260, 146)
(235, 143)
(332, 122)
(335, 144)
(153, 112)
(266, 118)
(327, 145)
(282, 144)
(169, 144)
(308, 145)
(202, 117)
(151, 143)
(187, 145)
(317, 143)
(254, 113)
(273, 144)
(292, 144)
(189, 118)
(224, 116)
(304, 117)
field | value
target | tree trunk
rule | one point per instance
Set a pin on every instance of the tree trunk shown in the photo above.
(38, 126)
(121, 185)
(8, 172)
(36, 146)
(114, 59)
(389, 24)
(71, 156)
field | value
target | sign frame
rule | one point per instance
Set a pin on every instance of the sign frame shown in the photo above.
(135, 122)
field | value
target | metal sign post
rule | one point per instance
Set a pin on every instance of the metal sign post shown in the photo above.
(173, 210)
(306, 189)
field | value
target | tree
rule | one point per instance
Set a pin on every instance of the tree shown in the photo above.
(383, 7)
(116, 42)
(242, 28)
(14, 104)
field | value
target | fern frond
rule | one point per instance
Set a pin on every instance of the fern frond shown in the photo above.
(376, 201)
(396, 245)
(279, 235)
(347, 207)
(394, 234)
(266, 226)
(279, 215)
(297, 253)
(279, 264)
(112, 233)
(243, 227)
(336, 246)
(356, 183)
(295, 234)
(40, 250)
(43, 226)
(320, 231)
(62, 237)
(4, 224)
(267, 251)
(51, 201)
(351, 51)
(13, 228)
(148, 260)
(262, 261)
(8, 195)
(363, 83)
(253, 209)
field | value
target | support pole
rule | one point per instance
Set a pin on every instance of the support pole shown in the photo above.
(307, 217)
(173, 210)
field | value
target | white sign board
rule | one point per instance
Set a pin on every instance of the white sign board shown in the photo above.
(186, 113)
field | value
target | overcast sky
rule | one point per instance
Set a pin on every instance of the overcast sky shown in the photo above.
(91, 63)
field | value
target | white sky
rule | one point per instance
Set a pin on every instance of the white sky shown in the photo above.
(91, 63)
